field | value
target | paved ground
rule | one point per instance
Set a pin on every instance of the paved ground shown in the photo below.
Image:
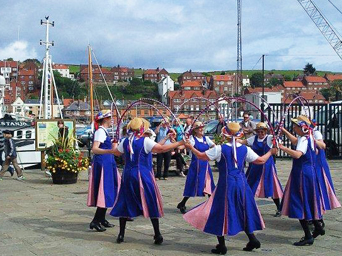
(39, 218)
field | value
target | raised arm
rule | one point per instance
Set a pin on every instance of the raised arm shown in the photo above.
(198, 154)
(165, 148)
(293, 153)
(263, 159)
(320, 144)
(290, 136)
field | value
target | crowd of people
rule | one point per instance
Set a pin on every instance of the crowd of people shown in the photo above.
(229, 205)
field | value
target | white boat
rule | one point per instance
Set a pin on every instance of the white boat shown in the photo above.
(24, 138)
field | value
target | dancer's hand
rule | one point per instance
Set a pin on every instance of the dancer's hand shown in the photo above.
(187, 143)
(274, 151)
(281, 146)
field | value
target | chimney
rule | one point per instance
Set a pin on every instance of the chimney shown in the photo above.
(157, 68)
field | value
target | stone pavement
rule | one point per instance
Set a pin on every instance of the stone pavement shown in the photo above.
(39, 218)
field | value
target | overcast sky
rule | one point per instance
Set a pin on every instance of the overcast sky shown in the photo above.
(175, 34)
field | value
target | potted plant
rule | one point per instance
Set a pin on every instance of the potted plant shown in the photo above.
(64, 162)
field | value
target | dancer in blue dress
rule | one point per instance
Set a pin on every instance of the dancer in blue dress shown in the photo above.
(139, 193)
(232, 207)
(104, 179)
(199, 180)
(302, 199)
(322, 168)
(263, 179)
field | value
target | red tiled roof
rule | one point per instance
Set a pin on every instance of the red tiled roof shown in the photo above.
(190, 94)
(67, 102)
(60, 66)
(293, 84)
(191, 83)
(151, 71)
(223, 78)
(12, 64)
(25, 72)
(309, 96)
(277, 88)
(333, 77)
(315, 79)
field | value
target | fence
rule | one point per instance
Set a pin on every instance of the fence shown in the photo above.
(328, 118)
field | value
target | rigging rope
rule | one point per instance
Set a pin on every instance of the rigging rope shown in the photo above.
(335, 6)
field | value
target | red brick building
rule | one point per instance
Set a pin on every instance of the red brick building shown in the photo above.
(223, 84)
(9, 69)
(122, 73)
(155, 75)
(193, 107)
(192, 85)
(191, 76)
(97, 76)
(332, 77)
(315, 82)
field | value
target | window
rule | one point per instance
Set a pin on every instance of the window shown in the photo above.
(23, 82)
(19, 134)
(221, 83)
(28, 134)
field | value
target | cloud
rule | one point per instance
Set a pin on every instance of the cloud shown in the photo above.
(178, 35)
(18, 50)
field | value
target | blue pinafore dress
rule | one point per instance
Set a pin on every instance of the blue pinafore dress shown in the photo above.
(263, 179)
(104, 179)
(139, 193)
(199, 180)
(232, 207)
(302, 197)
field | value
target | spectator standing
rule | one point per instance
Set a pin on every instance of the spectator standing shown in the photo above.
(161, 132)
(220, 125)
(247, 126)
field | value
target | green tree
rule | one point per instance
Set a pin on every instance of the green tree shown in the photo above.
(256, 80)
(9, 59)
(274, 82)
(288, 78)
(309, 69)
(136, 82)
(336, 89)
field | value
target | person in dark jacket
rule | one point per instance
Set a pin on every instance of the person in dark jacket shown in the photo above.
(220, 125)
(10, 156)
(2, 146)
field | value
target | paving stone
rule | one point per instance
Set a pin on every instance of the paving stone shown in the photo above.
(39, 218)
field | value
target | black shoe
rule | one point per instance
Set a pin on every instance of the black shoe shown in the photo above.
(318, 232)
(219, 250)
(181, 207)
(277, 214)
(158, 239)
(255, 244)
(323, 224)
(106, 224)
(120, 239)
(97, 226)
(304, 241)
(130, 219)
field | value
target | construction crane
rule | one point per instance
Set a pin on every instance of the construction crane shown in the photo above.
(323, 25)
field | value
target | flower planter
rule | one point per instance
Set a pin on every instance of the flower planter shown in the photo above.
(64, 177)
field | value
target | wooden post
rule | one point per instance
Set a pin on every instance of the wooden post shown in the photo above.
(43, 163)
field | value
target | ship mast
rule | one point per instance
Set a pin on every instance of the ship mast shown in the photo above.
(48, 79)
(90, 79)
